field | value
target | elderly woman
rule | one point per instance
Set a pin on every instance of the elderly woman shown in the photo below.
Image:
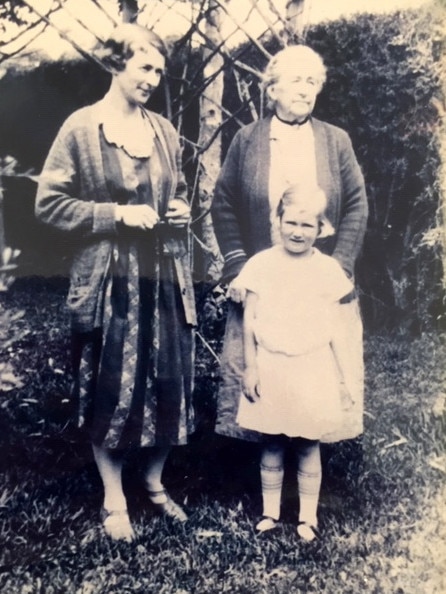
(288, 148)
(112, 180)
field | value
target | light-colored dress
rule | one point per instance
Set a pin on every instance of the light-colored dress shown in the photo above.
(295, 327)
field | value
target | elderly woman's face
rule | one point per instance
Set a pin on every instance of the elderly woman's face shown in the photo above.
(141, 75)
(294, 94)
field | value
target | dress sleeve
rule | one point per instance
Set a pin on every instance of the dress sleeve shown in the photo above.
(250, 275)
(57, 201)
(339, 285)
(351, 230)
(225, 214)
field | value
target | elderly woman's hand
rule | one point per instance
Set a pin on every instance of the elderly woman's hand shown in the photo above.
(178, 213)
(139, 216)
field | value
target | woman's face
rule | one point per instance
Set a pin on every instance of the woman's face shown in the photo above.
(294, 94)
(141, 75)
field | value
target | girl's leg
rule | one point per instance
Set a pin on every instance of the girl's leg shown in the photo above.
(157, 457)
(271, 475)
(115, 516)
(309, 475)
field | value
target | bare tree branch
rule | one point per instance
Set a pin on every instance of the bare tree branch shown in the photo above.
(7, 56)
(64, 36)
(268, 22)
(107, 14)
(254, 41)
(79, 21)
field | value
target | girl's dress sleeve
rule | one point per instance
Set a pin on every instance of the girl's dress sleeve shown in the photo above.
(250, 275)
(337, 283)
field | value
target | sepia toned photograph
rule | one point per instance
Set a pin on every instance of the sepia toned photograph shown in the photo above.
(222, 297)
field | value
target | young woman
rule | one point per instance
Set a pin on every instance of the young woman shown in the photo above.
(113, 181)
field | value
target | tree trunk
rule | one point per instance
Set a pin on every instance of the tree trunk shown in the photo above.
(210, 121)
(296, 18)
(128, 10)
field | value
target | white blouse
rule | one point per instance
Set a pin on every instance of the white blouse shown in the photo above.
(293, 157)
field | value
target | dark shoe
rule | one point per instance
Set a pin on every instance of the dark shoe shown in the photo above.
(168, 507)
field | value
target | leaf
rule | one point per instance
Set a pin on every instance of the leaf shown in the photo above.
(439, 463)
(9, 381)
(204, 534)
(398, 442)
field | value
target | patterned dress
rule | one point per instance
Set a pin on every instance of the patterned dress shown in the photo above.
(134, 372)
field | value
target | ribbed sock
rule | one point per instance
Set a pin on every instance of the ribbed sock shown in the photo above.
(272, 479)
(309, 484)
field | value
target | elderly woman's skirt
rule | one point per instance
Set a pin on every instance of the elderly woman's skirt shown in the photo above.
(349, 351)
(134, 376)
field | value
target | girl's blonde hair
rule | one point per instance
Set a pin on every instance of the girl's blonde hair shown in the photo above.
(124, 41)
(310, 200)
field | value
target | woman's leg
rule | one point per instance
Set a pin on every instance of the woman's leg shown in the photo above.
(271, 475)
(157, 457)
(115, 516)
(309, 475)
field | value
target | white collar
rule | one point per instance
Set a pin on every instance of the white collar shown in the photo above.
(134, 135)
(280, 130)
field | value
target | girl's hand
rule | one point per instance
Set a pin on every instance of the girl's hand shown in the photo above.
(236, 291)
(178, 213)
(138, 216)
(251, 384)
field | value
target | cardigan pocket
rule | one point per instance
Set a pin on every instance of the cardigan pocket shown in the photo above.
(88, 272)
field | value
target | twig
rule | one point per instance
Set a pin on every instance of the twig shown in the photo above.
(208, 346)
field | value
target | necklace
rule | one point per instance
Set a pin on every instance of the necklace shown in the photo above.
(294, 122)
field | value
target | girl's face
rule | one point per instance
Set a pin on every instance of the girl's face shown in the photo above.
(294, 94)
(141, 75)
(298, 230)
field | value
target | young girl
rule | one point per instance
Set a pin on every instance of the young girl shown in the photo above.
(291, 383)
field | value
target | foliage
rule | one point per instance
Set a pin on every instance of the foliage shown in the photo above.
(384, 88)
(380, 508)
(384, 79)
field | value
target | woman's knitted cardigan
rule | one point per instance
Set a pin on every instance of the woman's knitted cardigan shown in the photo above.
(241, 208)
(72, 196)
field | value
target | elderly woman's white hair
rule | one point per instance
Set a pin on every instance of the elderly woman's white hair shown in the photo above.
(296, 58)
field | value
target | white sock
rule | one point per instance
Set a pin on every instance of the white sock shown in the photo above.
(272, 479)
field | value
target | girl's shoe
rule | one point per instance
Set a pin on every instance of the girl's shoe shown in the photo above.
(168, 507)
(265, 524)
(307, 531)
(116, 524)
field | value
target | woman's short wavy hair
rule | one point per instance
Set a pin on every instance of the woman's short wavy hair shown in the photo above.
(293, 57)
(310, 200)
(124, 41)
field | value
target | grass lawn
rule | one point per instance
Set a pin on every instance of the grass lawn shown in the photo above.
(382, 503)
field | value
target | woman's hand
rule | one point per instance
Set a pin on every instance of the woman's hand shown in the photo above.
(251, 384)
(178, 213)
(236, 291)
(138, 216)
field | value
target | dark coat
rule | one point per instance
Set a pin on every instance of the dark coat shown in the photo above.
(241, 210)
